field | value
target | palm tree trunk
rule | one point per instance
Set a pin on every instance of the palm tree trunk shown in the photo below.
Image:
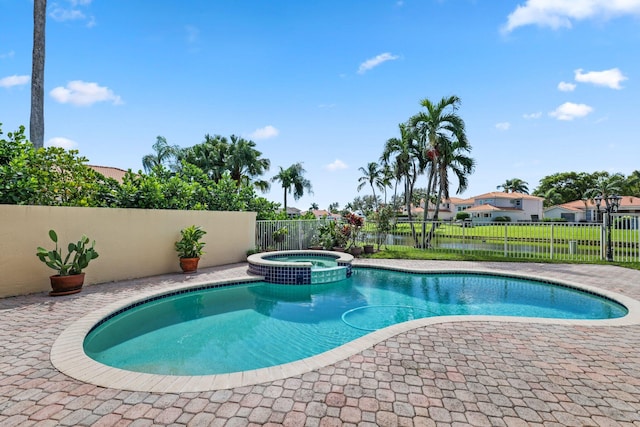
(36, 124)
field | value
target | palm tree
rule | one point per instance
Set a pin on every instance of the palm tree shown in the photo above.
(36, 122)
(165, 155)
(605, 186)
(401, 154)
(443, 140)
(293, 181)
(373, 175)
(245, 164)
(515, 185)
(209, 156)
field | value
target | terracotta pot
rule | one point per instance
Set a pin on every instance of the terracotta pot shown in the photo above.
(337, 249)
(356, 250)
(189, 265)
(368, 249)
(66, 285)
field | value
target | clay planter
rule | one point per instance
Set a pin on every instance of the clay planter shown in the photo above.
(368, 249)
(356, 251)
(66, 285)
(189, 265)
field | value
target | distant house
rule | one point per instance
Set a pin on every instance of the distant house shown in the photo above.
(109, 172)
(292, 212)
(323, 214)
(578, 211)
(486, 207)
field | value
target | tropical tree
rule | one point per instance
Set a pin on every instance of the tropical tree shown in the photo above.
(401, 155)
(567, 186)
(373, 175)
(36, 124)
(293, 181)
(245, 163)
(314, 207)
(443, 144)
(514, 185)
(605, 187)
(165, 155)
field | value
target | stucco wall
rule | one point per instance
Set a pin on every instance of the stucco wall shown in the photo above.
(131, 242)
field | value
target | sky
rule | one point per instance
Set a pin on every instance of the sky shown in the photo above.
(546, 86)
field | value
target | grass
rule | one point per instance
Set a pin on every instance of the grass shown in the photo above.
(405, 252)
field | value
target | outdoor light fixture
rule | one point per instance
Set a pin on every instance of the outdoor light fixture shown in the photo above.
(611, 205)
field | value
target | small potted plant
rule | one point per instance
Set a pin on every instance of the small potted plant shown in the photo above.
(280, 234)
(70, 277)
(189, 248)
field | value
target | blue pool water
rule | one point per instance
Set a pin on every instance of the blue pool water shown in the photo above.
(251, 326)
(317, 262)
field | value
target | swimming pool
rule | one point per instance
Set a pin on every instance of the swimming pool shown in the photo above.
(256, 325)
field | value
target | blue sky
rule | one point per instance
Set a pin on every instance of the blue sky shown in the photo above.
(546, 85)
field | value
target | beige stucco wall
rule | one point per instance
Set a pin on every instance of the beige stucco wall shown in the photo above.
(131, 242)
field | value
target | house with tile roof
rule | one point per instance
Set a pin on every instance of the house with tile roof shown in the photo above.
(586, 210)
(109, 172)
(486, 207)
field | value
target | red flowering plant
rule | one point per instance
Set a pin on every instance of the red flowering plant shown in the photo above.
(354, 224)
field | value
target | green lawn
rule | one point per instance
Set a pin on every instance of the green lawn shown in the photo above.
(404, 252)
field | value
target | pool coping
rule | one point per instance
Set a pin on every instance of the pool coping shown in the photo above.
(68, 357)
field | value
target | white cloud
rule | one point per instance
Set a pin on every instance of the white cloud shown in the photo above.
(337, 164)
(503, 126)
(264, 133)
(59, 141)
(82, 93)
(11, 81)
(570, 111)
(374, 62)
(566, 87)
(609, 78)
(71, 12)
(561, 13)
(535, 115)
(61, 14)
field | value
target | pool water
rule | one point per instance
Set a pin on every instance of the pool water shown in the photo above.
(251, 326)
(317, 262)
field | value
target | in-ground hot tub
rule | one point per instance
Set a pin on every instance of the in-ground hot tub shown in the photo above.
(303, 267)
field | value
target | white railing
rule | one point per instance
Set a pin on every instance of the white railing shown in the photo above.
(542, 240)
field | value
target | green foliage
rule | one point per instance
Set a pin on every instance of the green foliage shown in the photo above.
(49, 176)
(54, 176)
(462, 215)
(81, 254)
(502, 219)
(190, 246)
(280, 234)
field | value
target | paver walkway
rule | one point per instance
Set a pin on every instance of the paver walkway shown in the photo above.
(461, 373)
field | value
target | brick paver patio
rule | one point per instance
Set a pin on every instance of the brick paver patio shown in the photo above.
(455, 373)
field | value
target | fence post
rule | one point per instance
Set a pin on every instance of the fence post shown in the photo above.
(551, 246)
(505, 239)
(464, 225)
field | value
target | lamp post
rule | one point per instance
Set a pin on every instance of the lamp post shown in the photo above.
(611, 204)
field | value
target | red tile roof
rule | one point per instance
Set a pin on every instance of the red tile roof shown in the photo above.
(110, 172)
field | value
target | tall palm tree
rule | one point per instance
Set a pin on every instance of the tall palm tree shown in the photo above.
(209, 156)
(165, 155)
(402, 153)
(293, 181)
(514, 185)
(373, 175)
(36, 122)
(443, 139)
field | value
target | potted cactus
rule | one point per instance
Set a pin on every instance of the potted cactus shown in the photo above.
(189, 248)
(70, 277)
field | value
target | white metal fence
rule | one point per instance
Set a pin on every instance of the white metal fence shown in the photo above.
(543, 240)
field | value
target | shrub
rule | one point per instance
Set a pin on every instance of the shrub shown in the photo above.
(462, 215)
